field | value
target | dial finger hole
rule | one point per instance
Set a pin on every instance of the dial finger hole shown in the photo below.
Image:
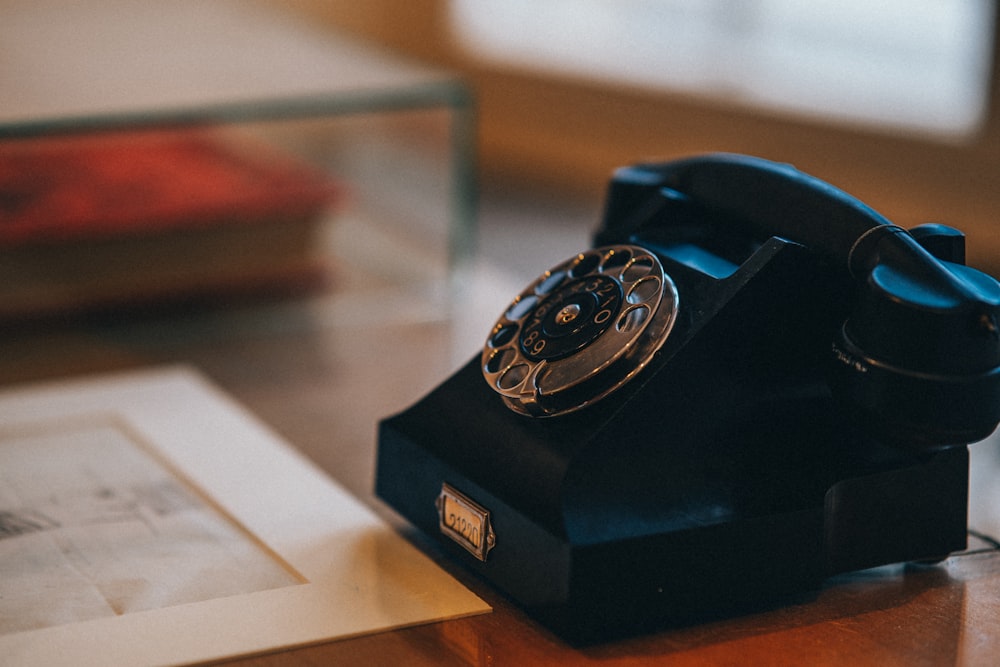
(632, 319)
(513, 376)
(646, 289)
(585, 264)
(521, 307)
(500, 360)
(549, 283)
(616, 260)
(642, 266)
(503, 335)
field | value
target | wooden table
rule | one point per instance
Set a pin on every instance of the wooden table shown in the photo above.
(323, 382)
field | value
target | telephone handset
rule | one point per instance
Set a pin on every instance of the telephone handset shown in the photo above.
(918, 357)
(751, 383)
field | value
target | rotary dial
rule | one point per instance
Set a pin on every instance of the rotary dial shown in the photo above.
(581, 330)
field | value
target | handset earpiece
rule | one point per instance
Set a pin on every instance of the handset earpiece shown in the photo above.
(918, 359)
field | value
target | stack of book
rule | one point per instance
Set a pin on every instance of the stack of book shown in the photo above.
(115, 219)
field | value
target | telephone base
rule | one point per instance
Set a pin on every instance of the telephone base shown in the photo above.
(660, 566)
(723, 477)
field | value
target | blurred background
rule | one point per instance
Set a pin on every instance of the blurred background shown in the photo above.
(323, 205)
(893, 101)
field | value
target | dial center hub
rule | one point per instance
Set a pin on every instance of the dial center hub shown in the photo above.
(568, 314)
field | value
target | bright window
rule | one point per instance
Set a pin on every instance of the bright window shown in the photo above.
(916, 67)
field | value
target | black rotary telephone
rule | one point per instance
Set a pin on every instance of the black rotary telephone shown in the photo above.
(752, 382)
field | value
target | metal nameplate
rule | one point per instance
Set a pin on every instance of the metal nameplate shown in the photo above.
(465, 521)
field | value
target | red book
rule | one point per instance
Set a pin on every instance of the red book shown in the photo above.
(112, 218)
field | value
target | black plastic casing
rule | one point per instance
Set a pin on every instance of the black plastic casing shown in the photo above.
(723, 479)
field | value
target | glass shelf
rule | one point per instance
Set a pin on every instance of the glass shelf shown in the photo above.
(396, 134)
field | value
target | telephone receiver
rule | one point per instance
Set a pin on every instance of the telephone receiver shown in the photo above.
(751, 383)
(917, 358)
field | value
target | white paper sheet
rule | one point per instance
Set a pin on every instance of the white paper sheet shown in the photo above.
(147, 519)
